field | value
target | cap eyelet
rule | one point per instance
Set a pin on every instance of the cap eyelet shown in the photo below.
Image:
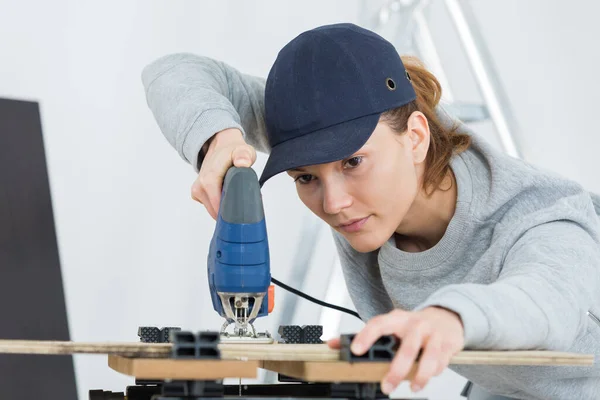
(390, 84)
(408, 76)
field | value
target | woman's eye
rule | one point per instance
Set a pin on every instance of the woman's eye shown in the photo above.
(354, 161)
(304, 178)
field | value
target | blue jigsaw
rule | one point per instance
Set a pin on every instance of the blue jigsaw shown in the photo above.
(239, 272)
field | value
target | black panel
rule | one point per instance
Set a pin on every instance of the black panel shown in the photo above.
(32, 303)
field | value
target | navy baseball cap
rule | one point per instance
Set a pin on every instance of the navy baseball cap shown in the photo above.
(325, 93)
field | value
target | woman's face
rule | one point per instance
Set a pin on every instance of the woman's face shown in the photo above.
(366, 196)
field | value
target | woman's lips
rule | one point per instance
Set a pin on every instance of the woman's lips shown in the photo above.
(355, 226)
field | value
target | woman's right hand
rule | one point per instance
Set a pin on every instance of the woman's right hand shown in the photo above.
(227, 148)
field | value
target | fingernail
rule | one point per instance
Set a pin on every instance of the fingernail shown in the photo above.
(356, 348)
(416, 388)
(387, 387)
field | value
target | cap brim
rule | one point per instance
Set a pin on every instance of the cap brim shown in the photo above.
(326, 145)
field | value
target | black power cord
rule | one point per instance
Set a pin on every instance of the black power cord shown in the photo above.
(310, 298)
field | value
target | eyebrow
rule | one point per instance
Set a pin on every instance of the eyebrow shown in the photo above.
(297, 170)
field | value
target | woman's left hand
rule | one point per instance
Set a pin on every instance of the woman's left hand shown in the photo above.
(438, 331)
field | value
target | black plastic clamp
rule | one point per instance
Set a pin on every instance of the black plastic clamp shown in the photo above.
(359, 391)
(201, 345)
(175, 390)
(153, 334)
(192, 389)
(105, 395)
(306, 334)
(383, 349)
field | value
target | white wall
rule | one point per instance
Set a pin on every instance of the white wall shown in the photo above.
(547, 56)
(132, 243)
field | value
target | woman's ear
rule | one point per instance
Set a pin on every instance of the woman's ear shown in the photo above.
(419, 135)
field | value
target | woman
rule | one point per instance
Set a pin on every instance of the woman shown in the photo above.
(444, 241)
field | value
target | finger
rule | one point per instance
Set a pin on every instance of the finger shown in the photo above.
(218, 160)
(443, 363)
(428, 363)
(404, 359)
(386, 324)
(243, 156)
(448, 350)
(443, 360)
(334, 343)
(200, 195)
(196, 191)
(213, 193)
(211, 211)
(212, 178)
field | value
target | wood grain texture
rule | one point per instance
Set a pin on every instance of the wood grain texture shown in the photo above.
(338, 371)
(230, 351)
(522, 358)
(281, 352)
(152, 368)
(151, 350)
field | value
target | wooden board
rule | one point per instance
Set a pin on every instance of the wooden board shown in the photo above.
(282, 352)
(230, 351)
(153, 368)
(312, 371)
(133, 349)
(338, 371)
(319, 371)
(279, 352)
(546, 358)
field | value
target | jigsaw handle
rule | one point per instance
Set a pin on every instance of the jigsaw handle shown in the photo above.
(241, 200)
(238, 260)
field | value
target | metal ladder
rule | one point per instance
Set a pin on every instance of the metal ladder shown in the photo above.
(410, 33)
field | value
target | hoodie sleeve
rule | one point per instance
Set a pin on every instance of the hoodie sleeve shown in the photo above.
(193, 97)
(549, 281)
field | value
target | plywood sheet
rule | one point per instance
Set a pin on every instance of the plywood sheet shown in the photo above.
(281, 352)
(166, 368)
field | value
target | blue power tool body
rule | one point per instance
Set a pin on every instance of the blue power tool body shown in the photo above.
(239, 273)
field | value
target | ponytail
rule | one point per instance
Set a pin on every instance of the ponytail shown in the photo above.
(444, 141)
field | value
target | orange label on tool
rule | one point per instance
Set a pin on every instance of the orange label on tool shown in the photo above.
(271, 295)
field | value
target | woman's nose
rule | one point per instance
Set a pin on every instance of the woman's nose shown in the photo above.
(335, 198)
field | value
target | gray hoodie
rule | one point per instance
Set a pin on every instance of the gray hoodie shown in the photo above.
(519, 261)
